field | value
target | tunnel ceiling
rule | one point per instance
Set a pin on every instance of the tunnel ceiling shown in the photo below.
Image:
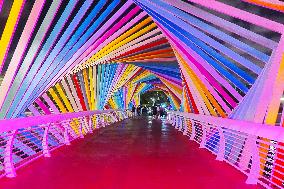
(209, 58)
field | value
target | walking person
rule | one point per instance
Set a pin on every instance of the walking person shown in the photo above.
(161, 112)
(139, 110)
(154, 109)
(133, 111)
(158, 112)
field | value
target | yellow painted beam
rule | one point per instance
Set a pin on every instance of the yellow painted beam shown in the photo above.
(74, 124)
(87, 87)
(94, 100)
(57, 100)
(64, 98)
(92, 94)
(9, 29)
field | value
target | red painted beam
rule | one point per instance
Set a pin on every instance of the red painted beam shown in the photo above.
(143, 47)
(79, 92)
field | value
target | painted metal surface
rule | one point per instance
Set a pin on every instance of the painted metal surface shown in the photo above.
(210, 58)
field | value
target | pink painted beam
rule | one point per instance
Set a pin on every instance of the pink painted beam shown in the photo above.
(1, 4)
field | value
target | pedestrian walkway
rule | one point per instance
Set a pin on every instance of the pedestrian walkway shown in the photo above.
(133, 154)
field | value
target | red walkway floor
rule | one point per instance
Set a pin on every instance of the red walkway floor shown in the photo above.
(135, 154)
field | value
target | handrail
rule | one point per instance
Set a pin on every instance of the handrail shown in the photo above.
(25, 122)
(262, 130)
(255, 149)
(23, 140)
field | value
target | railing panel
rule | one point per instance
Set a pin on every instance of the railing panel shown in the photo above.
(255, 149)
(25, 139)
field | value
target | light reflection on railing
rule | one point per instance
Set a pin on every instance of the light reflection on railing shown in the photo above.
(257, 150)
(23, 140)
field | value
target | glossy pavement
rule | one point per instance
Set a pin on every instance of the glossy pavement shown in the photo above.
(133, 154)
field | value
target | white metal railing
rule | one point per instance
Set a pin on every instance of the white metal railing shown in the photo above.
(23, 140)
(257, 150)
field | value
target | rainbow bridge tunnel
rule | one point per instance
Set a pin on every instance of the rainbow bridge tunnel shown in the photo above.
(71, 68)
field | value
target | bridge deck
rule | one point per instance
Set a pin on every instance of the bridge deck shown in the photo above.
(134, 154)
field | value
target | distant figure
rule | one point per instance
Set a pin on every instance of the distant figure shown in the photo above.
(158, 112)
(133, 110)
(161, 112)
(154, 110)
(144, 111)
(169, 107)
(139, 110)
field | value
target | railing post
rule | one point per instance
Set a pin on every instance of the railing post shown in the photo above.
(127, 113)
(203, 140)
(90, 124)
(8, 159)
(109, 119)
(180, 123)
(117, 116)
(101, 120)
(85, 124)
(255, 166)
(123, 115)
(46, 152)
(68, 125)
(185, 127)
(114, 117)
(81, 128)
(104, 120)
(192, 130)
(120, 116)
(172, 117)
(246, 153)
(168, 118)
(66, 136)
(176, 122)
(222, 145)
(98, 121)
